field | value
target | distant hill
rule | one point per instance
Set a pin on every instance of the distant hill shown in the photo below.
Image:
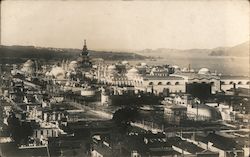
(241, 50)
(18, 54)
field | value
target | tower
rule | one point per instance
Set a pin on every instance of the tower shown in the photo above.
(85, 51)
(84, 59)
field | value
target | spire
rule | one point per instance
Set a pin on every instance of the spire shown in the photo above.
(84, 49)
(85, 45)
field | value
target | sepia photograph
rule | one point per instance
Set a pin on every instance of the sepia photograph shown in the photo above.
(124, 78)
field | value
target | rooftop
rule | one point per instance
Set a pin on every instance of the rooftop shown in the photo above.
(231, 77)
(191, 76)
(150, 77)
(218, 141)
(189, 147)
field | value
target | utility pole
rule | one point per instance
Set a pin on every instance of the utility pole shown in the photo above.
(48, 151)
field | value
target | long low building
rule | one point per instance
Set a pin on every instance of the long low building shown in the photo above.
(228, 82)
(162, 79)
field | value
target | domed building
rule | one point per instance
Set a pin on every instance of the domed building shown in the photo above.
(176, 68)
(73, 65)
(111, 71)
(204, 71)
(185, 70)
(132, 74)
(124, 62)
(195, 81)
(28, 67)
(111, 68)
(58, 72)
(134, 77)
(159, 71)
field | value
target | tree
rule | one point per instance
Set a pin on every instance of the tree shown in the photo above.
(14, 127)
(123, 117)
(19, 131)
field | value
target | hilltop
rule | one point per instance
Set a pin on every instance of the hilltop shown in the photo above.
(18, 54)
(241, 50)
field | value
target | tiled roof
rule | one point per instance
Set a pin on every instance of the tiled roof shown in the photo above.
(218, 141)
(190, 147)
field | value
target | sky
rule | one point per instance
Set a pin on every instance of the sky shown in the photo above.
(125, 25)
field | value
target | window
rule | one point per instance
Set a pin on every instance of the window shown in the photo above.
(159, 83)
(150, 83)
(177, 83)
(239, 82)
(248, 83)
(231, 82)
(222, 82)
(168, 83)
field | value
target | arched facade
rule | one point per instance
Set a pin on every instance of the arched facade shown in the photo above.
(238, 81)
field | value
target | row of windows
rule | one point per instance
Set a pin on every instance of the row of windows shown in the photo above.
(212, 83)
(42, 132)
(160, 83)
(176, 83)
(239, 83)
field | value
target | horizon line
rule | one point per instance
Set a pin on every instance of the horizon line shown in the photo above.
(122, 50)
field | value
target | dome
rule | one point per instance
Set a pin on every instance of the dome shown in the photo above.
(28, 63)
(112, 70)
(28, 67)
(58, 72)
(184, 69)
(73, 62)
(153, 70)
(132, 73)
(133, 70)
(111, 67)
(176, 67)
(124, 62)
(73, 65)
(204, 71)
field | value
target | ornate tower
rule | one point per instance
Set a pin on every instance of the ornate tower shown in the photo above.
(84, 59)
(85, 51)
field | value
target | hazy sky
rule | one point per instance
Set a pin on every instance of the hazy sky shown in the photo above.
(122, 25)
